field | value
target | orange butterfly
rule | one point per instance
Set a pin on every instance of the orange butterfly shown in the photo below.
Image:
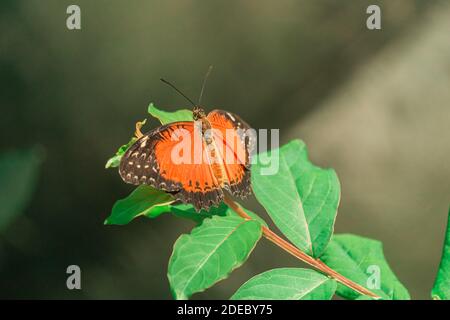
(196, 160)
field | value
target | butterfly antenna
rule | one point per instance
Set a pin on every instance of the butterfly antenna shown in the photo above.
(204, 84)
(175, 88)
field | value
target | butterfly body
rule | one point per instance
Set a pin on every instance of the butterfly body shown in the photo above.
(196, 161)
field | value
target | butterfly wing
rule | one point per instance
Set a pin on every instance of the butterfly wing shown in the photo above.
(168, 159)
(235, 144)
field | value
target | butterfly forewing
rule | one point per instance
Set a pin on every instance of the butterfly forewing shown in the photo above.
(173, 158)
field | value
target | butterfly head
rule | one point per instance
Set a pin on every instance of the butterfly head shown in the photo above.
(198, 113)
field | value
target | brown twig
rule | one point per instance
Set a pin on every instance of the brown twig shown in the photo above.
(288, 247)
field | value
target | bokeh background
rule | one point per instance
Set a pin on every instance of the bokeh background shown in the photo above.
(374, 105)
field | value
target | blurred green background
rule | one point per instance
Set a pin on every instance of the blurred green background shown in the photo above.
(374, 105)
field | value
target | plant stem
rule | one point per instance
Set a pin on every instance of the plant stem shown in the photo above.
(288, 247)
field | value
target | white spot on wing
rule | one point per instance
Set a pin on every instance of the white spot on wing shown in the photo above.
(231, 116)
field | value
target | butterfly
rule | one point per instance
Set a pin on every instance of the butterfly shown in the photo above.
(196, 161)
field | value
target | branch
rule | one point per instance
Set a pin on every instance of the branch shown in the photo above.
(288, 247)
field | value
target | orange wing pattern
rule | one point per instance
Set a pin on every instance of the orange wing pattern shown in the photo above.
(158, 159)
(235, 149)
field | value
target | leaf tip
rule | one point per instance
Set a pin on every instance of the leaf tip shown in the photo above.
(108, 164)
(151, 108)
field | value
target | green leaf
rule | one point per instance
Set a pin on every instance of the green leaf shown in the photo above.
(210, 253)
(301, 199)
(441, 288)
(287, 284)
(169, 117)
(114, 161)
(360, 259)
(187, 211)
(18, 177)
(150, 202)
(144, 200)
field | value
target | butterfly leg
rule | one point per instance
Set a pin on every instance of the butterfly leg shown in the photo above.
(138, 133)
